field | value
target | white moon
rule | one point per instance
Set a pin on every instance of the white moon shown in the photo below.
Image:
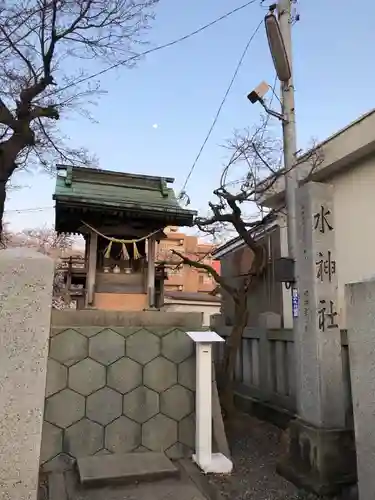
(155, 125)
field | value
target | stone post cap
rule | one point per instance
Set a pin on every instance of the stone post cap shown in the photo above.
(17, 253)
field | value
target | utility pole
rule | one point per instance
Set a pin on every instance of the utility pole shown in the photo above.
(284, 8)
(289, 128)
(279, 34)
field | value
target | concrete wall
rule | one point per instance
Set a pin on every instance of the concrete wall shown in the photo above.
(354, 203)
(347, 146)
(354, 200)
(119, 389)
(268, 295)
(87, 317)
(207, 310)
(347, 162)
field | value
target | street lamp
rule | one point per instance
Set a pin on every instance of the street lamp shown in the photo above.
(277, 47)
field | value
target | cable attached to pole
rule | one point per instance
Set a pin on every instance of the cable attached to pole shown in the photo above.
(208, 135)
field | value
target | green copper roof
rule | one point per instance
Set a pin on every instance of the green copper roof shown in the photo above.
(93, 188)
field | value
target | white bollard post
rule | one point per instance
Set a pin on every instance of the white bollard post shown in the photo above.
(203, 427)
(207, 461)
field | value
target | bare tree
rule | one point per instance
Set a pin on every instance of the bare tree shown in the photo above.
(45, 240)
(256, 159)
(45, 50)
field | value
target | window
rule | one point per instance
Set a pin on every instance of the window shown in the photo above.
(204, 279)
(207, 279)
(174, 271)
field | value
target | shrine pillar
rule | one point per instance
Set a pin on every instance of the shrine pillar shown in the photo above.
(151, 248)
(91, 267)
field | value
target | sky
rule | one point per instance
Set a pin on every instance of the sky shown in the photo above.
(180, 88)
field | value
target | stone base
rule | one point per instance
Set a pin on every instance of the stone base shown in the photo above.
(125, 468)
(220, 464)
(261, 410)
(319, 460)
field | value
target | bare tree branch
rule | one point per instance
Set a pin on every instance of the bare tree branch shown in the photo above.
(257, 155)
(208, 269)
(44, 46)
(6, 116)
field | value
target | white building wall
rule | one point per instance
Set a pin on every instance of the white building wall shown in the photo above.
(354, 206)
(206, 309)
(354, 203)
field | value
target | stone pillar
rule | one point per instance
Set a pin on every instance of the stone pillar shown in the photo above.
(25, 305)
(318, 457)
(320, 389)
(360, 301)
(151, 271)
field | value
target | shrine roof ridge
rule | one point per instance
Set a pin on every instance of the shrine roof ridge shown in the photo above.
(90, 173)
(92, 189)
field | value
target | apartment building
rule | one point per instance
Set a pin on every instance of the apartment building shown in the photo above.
(185, 278)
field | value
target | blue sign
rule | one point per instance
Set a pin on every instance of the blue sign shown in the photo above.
(295, 302)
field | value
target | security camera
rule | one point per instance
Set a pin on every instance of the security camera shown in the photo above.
(258, 93)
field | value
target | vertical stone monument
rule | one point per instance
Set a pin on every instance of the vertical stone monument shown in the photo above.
(25, 308)
(320, 454)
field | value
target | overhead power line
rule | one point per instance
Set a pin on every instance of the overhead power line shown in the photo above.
(150, 51)
(155, 49)
(27, 210)
(239, 64)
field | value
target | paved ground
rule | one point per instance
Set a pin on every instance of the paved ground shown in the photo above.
(161, 490)
(65, 486)
(255, 449)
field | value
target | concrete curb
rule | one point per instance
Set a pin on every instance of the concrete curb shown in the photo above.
(191, 471)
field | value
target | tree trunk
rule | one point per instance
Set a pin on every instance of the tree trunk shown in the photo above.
(2, 205)
(9, 152)
(230, 354)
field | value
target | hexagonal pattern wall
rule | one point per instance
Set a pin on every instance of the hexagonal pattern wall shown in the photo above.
(115, 391)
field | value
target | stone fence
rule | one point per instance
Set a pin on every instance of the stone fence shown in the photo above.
(96, 382)
(264, 373)
(118, 389)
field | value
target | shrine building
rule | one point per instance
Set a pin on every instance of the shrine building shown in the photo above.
(121, 216)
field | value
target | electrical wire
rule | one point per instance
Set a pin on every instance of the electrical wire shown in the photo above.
(274, 93)
(261, 130)
(270, 105)
(27, 210)
(239, 64)
(155, 49)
